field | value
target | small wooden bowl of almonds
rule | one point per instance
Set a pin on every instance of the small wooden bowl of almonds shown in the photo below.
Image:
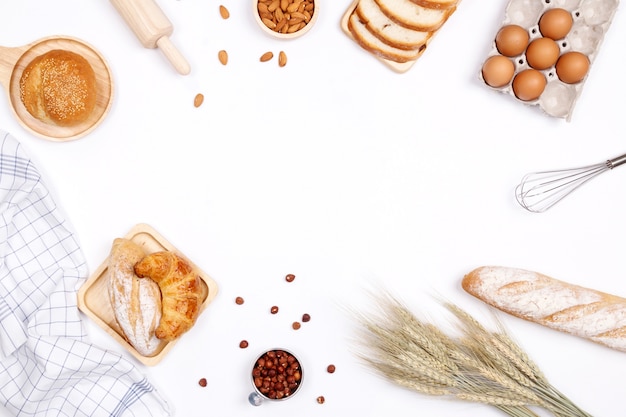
(285, 19)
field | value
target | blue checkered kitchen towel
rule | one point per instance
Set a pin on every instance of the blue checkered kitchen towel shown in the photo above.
(47, 366)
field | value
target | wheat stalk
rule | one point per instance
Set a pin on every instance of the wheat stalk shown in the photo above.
(479, 365)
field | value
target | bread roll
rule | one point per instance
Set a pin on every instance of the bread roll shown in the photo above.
(583, 312)
(136, 302)
(182, 290)
(59, 87)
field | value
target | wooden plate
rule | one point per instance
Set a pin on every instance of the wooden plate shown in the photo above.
(13, 62)
(93, 299)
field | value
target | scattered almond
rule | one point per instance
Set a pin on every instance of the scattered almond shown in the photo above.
(282, 59)
(198, 100)
(223, 57)
(224, 12)
(267, 56)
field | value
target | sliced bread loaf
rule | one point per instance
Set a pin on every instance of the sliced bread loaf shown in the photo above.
(412, 15)
(374, 45)
(437, 4)
(387, 30)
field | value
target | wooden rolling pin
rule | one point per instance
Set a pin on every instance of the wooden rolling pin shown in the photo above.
(152, 28)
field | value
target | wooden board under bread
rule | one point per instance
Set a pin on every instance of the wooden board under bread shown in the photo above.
(93, 298)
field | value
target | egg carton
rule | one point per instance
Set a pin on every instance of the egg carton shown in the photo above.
(591, 20)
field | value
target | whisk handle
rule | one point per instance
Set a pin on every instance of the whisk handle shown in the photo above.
(615, 162)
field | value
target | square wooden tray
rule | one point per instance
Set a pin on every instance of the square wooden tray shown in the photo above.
(93, 299)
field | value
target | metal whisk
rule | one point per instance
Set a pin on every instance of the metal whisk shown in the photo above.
(538, 191)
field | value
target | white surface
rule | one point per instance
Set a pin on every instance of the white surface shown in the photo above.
(344, 173)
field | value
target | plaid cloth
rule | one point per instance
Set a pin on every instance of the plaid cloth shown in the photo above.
(47, 366)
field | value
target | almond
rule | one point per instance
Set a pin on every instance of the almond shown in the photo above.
(224, 12)
(279, 26)
(293, 28)
(267, 56)
(269, 23)
(282, 59)
(273, 5)
(298, 15)
(198, 100)
(223, 57)
(293, 7)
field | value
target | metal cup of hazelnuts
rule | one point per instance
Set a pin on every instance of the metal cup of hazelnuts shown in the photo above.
(276, 375)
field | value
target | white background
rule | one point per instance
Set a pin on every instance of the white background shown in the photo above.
(344, 173)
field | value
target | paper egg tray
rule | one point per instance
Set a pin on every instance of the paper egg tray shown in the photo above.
(93, 297)
(591, 20)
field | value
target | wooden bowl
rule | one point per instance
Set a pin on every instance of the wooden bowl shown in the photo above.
(310, 22)
(13, 62)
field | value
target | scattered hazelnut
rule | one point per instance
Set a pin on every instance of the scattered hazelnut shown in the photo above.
(274, 309)
(321, 399)
(296, 325)
(239, 300)
(331, 369)
(202, 382)
(243, 344)
(306, 317)
(290, 277)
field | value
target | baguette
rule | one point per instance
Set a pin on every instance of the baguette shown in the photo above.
(136, 303)
(593, 315)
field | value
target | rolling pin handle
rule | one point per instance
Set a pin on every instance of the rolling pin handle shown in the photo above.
(173, 55)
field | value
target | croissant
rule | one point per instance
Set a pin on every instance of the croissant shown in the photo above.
(182, 292)
(136, 302)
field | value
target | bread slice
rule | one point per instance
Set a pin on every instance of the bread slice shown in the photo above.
(559, 305)
(371, 43)
(437, 4)
(387, 30)
(411, 15)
